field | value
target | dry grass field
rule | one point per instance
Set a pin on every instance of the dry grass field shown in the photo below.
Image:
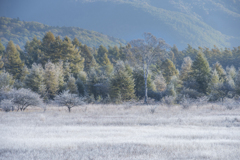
(112, 132)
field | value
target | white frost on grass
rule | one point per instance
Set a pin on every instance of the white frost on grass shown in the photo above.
(114, 132)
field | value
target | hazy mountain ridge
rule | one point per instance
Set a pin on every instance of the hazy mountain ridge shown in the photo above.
(20, 32)
(181, 22)
(196, 21)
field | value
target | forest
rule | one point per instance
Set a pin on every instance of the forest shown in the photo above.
(51, 68)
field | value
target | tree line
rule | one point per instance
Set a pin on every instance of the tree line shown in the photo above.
(143, 68)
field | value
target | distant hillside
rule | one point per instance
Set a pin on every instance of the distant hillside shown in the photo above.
(196, 22)
(20, 32)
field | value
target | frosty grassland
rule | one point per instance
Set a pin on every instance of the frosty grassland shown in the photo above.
(112, 132)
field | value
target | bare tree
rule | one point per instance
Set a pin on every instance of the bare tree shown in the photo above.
(146, 51)
(69, 100)
(24, 98)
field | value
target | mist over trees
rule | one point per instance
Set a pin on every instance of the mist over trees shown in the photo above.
(52, 68)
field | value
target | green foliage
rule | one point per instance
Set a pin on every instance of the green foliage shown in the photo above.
(13, 63)
(122, 84)
(51, 80)
(140, 84)
(35, 78)
(2, 49)
(6, 80)
(201, 72)
(168, 70)
(89, 58)
(71, 85)
(100, 55)
(186, 69)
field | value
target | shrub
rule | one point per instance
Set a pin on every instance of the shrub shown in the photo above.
(69, 100)
(24, 98)
(7, 105)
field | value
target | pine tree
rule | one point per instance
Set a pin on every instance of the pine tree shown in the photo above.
(71, 85)
(13, 63)
(231, 71)
(72, 55)
(114, 53)
(108, 67)
(89, 58)
(168, 70)
(100, 56)
(60, 73)
(46, 45)
(35, 78)
(76, 43)
(24, 73)
(51, 79)
(2, 50)
(56, 48)
(140, 84)
(220, 71)
(237, 82)
(201, 72)
(186, 69)
(160, 83)
(81, 83)
(122, 83)
(33, 52)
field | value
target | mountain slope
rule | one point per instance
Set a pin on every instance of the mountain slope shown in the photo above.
(20, 32)
(181, 22)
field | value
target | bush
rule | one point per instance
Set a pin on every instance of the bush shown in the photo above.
(69, 100)
(24, 98)
(7, 105)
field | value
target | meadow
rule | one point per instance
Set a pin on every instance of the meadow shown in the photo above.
(114, 132)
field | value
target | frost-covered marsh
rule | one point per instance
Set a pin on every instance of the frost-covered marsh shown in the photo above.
(121, 132)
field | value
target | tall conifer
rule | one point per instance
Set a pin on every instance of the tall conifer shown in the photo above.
(13, 63)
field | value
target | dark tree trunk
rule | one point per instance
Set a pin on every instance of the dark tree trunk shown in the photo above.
(69, 109)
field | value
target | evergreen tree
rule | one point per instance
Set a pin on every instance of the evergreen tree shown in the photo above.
(72, 55)
(76, 43)
(35, 78)
(56, 48)
(46, 47)
(89, 58)
(140, 84)
(2, 49)
(100, 54)
(81, 84)
(24, 73)
(220, 71)
(178, 55)
(13, 63)
(33, 52)
(237, 82)
(6, 80)
(201, 72)
(51, 79)
(160, 83)
(168, 70)
(186, 69)
(114, 53)
(191, 52)
(60, 73)
(71, 85)
(122, 83)
(231, 72)
(108, 67)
